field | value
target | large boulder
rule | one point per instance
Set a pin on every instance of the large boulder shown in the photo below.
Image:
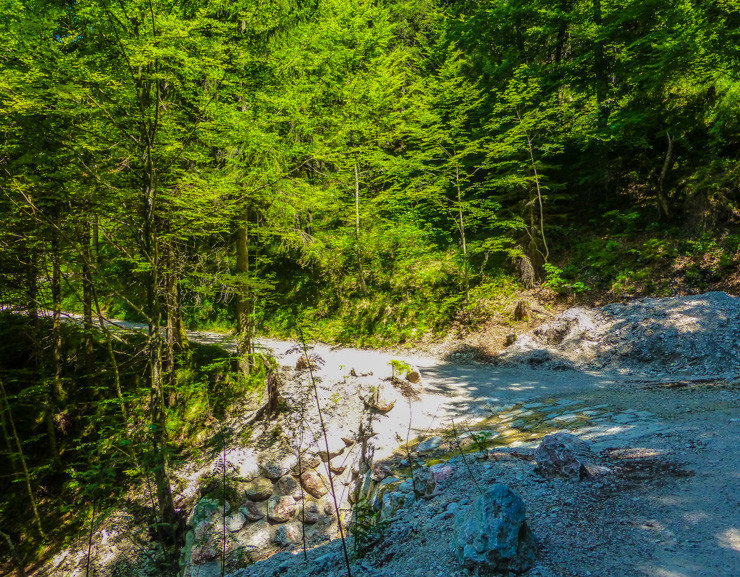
(255, 535)
(280, 509)
(309, 513)
(562, 455)
(492, 536)
(287, 535)
(254, 511)
(314, 484)
(393, 502)
(424, 483)
(277, 465)
(287, 485)
(260, 489)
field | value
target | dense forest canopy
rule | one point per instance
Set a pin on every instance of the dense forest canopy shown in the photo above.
(373, 170)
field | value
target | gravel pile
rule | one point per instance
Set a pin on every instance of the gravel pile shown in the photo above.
(691, 337)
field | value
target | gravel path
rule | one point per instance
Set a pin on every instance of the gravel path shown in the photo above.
(669, 434)
(653, 387)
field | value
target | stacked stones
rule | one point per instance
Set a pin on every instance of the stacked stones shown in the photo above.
(276, 505)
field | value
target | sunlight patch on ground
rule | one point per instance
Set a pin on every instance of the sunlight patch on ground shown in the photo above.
(695, 517)
(729, 539)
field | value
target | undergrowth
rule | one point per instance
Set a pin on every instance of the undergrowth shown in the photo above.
(105, 441)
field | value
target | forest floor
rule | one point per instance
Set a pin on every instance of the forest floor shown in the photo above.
(653, 386)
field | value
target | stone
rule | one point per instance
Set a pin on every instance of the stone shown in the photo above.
(442, 471)
(424, 483)
(254, 511)
(235, 521)
(304, 363)
(393, 502)
(338, 469)
(209, 569)
(598, 470)
(280, 508)
(429, 445)
(255, 535)
(243, 462)
(510, 339)
(287, 535)
(336, 447)
(558, 456)
(287, 485)
(259, 490)
(492, 536)
(329, 508)
(309, 513)
(381, 399)
(413, 376)
(380, 471)
(277, 465)
(387, 485)
(314, 483)
(308, 461)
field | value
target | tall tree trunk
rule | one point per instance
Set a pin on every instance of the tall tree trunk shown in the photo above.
(562, 29)
(173, 322)
(95, 246)
(151, 246)
(538, 190)
(87, 297)
(360, 268)
(243, 297)
(56, 392)
(463, 236)
(601, 74)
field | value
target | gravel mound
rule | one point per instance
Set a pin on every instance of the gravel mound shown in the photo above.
(684, 337)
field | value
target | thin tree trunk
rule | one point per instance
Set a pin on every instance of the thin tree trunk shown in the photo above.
(19, 569)
(541, 227)
(22, 459)
(114, 365)
(243, 297)
(663, 207)
(562, 29)
(95, 246)
(87, 322)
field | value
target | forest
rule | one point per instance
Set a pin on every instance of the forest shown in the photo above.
(372, 172)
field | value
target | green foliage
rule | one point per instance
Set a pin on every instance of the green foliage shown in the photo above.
(556, 281)
(399, 367)
(366, 528)
(481, 441)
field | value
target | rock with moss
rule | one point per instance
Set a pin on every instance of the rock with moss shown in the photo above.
(260, 489)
